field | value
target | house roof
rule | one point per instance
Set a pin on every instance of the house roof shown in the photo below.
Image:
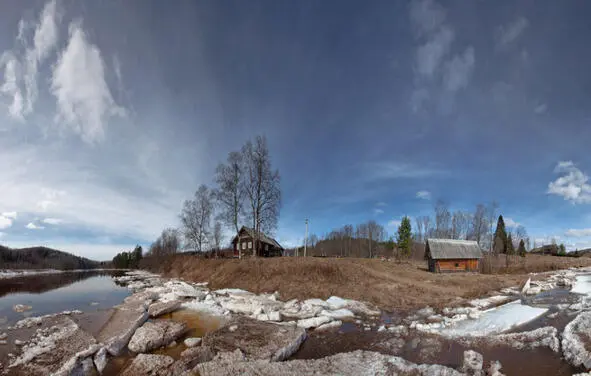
(454, 249)
(264, 238)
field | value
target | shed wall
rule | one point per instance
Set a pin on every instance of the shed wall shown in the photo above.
(464, 265)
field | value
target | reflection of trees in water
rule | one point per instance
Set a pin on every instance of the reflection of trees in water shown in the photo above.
(38, 284)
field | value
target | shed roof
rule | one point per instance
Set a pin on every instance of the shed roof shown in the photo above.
(264, 238)
(454, 249)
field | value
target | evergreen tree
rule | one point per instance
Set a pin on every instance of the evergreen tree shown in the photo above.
(562, 250)
(500, 239)
(404, 239)
(521, 249)
(510, 248)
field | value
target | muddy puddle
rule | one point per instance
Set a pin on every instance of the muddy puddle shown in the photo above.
(198, 325)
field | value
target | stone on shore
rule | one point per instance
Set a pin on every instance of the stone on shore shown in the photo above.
(257, 339)
(196, 355)
(101, 359)
(473, 362)
(21, 308)
(122, 325)
(357, 363)
(192, 341)
(541, 337)
(576, 341)
(148, 364)
(153, 335)
(161, 308)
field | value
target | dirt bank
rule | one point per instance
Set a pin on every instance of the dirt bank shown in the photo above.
(387, 284)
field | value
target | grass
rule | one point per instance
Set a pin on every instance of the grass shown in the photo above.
(387, 284)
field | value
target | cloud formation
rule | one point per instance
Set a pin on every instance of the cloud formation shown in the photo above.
(507, 34)
(10, 85)
(509, 222)
(578, 233)
(78, 83)
(33, 226)
(424, 195)
(438, 76)
(52, 221)
(573, 185)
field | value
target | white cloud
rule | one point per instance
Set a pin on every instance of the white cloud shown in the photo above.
(381, 203)
(458, 71)
(378, 211)
(572, 186)
(509, 222)
(424, 195)
(45, 40)
(52, 221)
(83, 97)
(398, 170)
(33, 226)
(541, 109)
(578, 233)
(11, 215)
(5, 222)
(431, 54)
(507, 34)
(10, 86)
(394, 223)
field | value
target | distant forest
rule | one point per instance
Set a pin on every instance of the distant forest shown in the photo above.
(43, 258)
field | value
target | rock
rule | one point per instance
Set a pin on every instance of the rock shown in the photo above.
(3, 342)
(172, 344)
(257, 339)
(576, 339)
(100, 360)
(196, 355)
(426, 312)
(382, 328)
(399, 330)
(357, 363)
(18, 342)
(84, 367)
(338, 314)
(126, 318)
(313, 322)
(541, 337)
(148, 364)
(495, 369)
(329, 326)
(274, 316)
(192, 341)
(473, 362)
(3, 336)
(160, 308)
(21, 308)
(155, 334)
(232, 328)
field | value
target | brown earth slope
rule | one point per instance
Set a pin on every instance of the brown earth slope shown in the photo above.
(387, 284)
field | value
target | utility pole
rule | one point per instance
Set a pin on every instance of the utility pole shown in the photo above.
(306, 239)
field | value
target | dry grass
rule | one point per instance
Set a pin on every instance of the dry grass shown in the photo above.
(389, 285)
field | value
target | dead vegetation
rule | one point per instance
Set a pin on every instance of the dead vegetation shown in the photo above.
(387, 284)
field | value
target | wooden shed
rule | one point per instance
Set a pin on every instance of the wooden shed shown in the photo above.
(244, 243)
(448, 255)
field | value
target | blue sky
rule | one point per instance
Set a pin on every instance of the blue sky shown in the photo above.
(112, 113)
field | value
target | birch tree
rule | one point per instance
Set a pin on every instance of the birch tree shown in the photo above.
(261, 185)
(196, 218)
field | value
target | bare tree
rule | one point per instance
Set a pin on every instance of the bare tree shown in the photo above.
(478, 228)
(460, 224)
(491, 216)
(168, 243)
(261, 186)
(442, 220)
(196, 218)
(230, 192)
(419, 223)
(427, 230)
(375, 233)
(348, 235)
(218, 236)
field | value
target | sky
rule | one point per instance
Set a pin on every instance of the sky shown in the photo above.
(113, 112)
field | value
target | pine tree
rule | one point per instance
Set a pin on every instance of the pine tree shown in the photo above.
(521, 249)
(562, 250)
(404, 239)
(500, 239)
(510, 248)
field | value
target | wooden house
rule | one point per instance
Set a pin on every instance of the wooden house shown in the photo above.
(448, 255)
(244, 243)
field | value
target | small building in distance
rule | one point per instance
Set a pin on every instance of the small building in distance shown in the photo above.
(448, 255)
(244, 241)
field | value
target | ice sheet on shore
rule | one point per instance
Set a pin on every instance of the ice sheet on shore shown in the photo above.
(582, 285)
(495, 320)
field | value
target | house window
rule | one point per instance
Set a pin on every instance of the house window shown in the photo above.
(244, 245)
(249, 245)
(457, 265)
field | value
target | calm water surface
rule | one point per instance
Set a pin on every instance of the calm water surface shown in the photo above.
(86, 291)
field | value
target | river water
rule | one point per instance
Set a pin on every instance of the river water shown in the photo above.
(89, 291)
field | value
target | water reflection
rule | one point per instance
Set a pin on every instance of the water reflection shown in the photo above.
(85, 291)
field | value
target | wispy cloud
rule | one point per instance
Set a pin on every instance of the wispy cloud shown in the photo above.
(578, 233)
(381, 204)
(52, 221)
(33, 226)
(5, 222)
(399, 170)
(424, 195)
(78, 83)
(378, 211)
(541, 109)
(509, 222)
(393, 224)
(573, 185)
(10, 86)
(438, 77)
(11, 215)
(507, 34)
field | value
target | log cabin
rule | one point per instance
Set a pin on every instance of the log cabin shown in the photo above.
(448, 255)
(243, 243)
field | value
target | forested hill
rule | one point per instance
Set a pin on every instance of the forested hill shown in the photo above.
(42, 258)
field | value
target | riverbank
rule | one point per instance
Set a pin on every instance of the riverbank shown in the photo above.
(386, 284)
